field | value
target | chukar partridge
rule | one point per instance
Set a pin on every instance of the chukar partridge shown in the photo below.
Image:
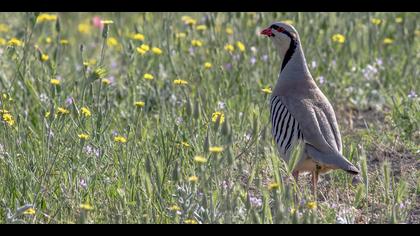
(301, 112)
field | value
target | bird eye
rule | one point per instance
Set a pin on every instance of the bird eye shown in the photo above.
(274, 27)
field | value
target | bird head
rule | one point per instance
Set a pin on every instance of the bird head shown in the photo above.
(284, 37)
(281, 33)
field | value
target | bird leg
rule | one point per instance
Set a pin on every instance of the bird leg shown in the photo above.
(315, 182)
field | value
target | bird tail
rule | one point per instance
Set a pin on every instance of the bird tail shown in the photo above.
(331, 159)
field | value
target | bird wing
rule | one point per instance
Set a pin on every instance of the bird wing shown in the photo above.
(319, 127)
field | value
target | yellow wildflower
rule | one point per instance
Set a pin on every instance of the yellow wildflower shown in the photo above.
(14, 42)
(2, 41)
(137, 36)
(376, 21)
(112, 42)
(86, 112)
(83, 136)
(55, 82)
(46, 17)
(62, 111)
(106, 81)
(398, 20)
(148, 76)
(174, 208)
(143, 49)
(84, 28)
(196, 43)
(185, 144)
(156, 50)
(44, 57)
(6, 97)
(48, 40)
(229, 48)
(193, 179)
(190, 221)
(139, 104)
(29, 211)
(229, 31)
(201, 27)
(8, 119)
(180, 35)
(180, 82)
(388, 41)
(107, 22)
(4, 28)
(86, 207)
(64, 42)
(188, 20)
(215, 116)
(311, 205)
(273, 186)
(208, 65)
(200, 159)
(240, 46)
(92, 62)
(338, 38)
(216, 149)
(120, 139)
(99, 73)
(267, 90)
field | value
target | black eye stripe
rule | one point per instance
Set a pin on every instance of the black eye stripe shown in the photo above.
(278, 28)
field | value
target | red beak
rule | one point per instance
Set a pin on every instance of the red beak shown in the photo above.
(267, 32)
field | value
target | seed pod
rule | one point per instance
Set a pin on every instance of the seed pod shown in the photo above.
(175, 173)
(225, 128)
(148, 166)
(39, 54)
(206, 144)
(105, 31)
(33, 17)
(196, 114)
(57, 25)
(188, 108)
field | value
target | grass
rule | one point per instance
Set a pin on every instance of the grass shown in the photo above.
(151, 173)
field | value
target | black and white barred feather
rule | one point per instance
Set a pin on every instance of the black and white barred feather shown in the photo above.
(285, 128)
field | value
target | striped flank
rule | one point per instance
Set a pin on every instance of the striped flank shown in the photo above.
(285, 128)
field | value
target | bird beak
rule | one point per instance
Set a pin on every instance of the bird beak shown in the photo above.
(267, 32)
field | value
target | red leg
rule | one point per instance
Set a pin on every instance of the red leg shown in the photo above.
(314, 182)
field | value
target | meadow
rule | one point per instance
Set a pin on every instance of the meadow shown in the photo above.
(164, 118)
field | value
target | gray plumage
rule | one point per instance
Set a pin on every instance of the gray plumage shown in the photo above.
(299, 111)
